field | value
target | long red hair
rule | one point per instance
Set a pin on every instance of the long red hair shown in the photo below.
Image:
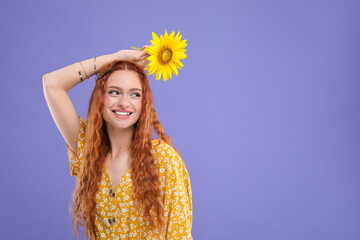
(147, 189)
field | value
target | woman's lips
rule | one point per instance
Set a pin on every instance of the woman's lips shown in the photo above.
(122, 116)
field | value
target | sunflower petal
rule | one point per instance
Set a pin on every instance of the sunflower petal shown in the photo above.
(153, 63)
(181, 45)
(155, 37)
(179, 55)
(151, 57)
(170, 72)
(161, 40)
(177, 36)
(179, 50)
(152, 69)
(178, 63)
(158, 73)
(151, 50)
(165, 72)
(172, 44)
(155, 43)
(173, 68)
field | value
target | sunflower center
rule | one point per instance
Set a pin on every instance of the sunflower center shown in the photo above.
(165, 55)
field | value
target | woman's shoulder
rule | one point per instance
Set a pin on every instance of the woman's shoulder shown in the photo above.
(82, 119)
(166, 156)
(160, 147)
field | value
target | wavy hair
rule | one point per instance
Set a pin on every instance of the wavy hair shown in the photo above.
(147, 188)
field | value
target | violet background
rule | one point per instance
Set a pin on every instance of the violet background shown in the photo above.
(265, 111)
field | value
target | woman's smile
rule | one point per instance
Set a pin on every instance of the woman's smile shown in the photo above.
(122, 114)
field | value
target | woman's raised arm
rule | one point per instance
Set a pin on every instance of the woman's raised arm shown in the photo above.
(56, 85)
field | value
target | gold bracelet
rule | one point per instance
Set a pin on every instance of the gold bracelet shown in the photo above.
(84, 70)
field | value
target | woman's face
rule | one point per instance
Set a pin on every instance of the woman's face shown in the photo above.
(123, 94)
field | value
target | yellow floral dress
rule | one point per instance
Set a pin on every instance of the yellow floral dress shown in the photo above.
(116, 215)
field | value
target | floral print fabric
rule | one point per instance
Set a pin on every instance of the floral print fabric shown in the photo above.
(116, 214)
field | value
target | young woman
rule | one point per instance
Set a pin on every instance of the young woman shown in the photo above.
(129, 186)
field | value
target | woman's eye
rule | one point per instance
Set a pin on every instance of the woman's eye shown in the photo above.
(134, 94)
(113, 92)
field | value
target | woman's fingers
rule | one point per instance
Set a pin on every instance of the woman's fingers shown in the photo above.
(146, 46)
(145, 54)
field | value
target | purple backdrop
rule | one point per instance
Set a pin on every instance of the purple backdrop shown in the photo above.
(265, 111)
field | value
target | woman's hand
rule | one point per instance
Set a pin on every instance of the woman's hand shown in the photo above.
(137, 56)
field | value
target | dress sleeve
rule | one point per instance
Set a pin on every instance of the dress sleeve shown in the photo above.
(177, 200)
(75, 159)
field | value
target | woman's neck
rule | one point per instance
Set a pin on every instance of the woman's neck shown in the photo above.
(120, 140)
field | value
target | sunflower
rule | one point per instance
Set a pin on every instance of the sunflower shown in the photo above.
(165, 54)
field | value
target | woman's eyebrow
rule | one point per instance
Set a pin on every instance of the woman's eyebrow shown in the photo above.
(131, 89)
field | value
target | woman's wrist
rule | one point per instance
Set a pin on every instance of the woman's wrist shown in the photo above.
(121, 55)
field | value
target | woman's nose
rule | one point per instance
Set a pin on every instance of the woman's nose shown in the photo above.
(123, 102)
